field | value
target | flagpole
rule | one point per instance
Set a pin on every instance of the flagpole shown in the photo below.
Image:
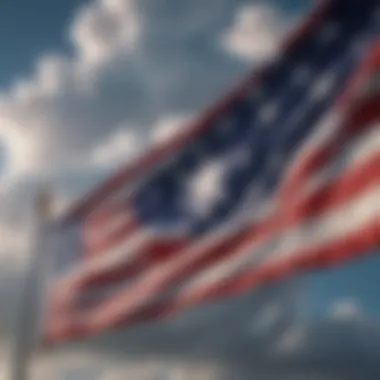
(27, 328)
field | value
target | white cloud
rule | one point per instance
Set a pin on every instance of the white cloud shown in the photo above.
(125, 143)
(346, 309)
(21, 149)
(97, 365)
(266, 318)
(104, 28)
(291, 340)
(255, 33)
(120, 147)
(168, 369)
(63, 364)
(169, 126)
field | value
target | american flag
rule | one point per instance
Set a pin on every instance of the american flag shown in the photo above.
(279, 176)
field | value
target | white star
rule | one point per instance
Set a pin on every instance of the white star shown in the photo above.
(255, 96)
(154, 195)
(358, 45)
(377, 15)
(242, 158)
(275, 161)
(257, 93)
(323, 85)
(268, 112)
(226, 126)
(199, 149)
(205, 188)
(301, 75)
(298, 115)
(329, 32)
(173, 163)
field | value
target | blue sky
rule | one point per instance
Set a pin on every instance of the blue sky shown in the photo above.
(85, 86)
(28, 30)
(357, 280)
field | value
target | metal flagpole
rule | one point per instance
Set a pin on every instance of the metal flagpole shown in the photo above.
(30, 307)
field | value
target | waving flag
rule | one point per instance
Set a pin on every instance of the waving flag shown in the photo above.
(280, 176)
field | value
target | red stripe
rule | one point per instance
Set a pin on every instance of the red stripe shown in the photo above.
(149, 160)
(153, 253)
(369, 67)
(95, 248)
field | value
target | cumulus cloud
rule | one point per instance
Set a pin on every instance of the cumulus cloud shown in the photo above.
(91, 364)
(173, 370)
(346, 309)
(104, 29)
(69, 364)
(120, 147)
(291, 340)
(266, 318)
(254, 34)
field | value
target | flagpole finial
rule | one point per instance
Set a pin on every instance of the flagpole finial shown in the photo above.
(44, 202)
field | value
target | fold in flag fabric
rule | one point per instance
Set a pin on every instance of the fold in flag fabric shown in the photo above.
(281, 176)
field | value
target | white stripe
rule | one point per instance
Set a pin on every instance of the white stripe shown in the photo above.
(142, 291)
(356, 153)
(313, 233)
(367, 144)
(324, 133)
(332, 227)
(123, 252)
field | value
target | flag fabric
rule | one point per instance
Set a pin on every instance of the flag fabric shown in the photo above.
(281, 176)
